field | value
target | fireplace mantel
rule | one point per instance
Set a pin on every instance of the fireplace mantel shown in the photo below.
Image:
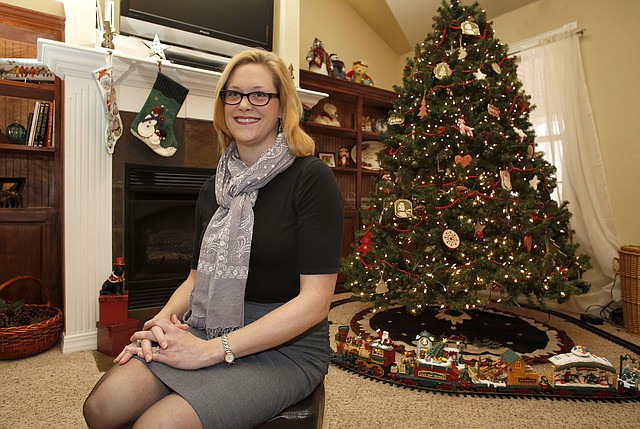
(87, 181)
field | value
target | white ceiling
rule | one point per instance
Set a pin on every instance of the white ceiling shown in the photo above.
(403, 23)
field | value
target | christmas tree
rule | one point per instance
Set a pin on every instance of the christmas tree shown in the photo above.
(463, 213)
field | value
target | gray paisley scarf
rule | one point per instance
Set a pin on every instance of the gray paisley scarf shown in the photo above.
(217, 300)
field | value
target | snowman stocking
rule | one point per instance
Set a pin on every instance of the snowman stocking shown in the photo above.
(104, 79)
(154, 124)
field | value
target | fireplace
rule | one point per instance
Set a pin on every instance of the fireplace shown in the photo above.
(159, 210)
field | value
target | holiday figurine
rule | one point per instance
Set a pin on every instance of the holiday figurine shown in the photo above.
(343, 157)
(359, 73)
(339, 69)
(328, 116)
(319, 60)
(114, 285)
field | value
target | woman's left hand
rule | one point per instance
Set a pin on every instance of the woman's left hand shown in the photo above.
(184, 350)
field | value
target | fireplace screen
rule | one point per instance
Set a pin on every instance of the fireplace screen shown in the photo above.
(159, 227)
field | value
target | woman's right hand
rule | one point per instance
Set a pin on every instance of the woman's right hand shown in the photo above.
(144, 342)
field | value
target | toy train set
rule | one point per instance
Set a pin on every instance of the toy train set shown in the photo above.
(439, 365)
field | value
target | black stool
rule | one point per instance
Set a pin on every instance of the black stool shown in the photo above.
(306, 414)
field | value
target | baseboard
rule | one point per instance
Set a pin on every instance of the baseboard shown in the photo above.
(79, 342)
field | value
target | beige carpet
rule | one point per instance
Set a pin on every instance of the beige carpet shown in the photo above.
(47, 391)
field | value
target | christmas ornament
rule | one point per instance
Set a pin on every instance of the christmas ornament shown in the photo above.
(365, 243)
(479, 75)
(470, 28)
(423, 108)
(534, 182)
(493, 110)
(113, 131)
(505, 180)
(154, 124)
(382, 287)
(442, 71)
(478, 228)
(463, 160)
(520, 133)
(403, 208)
(496, 68)
(395, 120)
(465, 130)
(156, 48)
(450, 239)
(528, 242)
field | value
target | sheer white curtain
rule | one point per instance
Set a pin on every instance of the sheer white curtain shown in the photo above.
(551, 72)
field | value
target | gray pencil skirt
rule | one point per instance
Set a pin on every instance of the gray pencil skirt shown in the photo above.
(257, 387)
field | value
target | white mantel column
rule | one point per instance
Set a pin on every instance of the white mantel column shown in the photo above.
(87, 207)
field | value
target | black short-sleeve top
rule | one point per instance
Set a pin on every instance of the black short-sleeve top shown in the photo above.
(297, 229)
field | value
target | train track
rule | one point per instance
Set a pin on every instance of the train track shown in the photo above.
(616, 398)
(509, 395)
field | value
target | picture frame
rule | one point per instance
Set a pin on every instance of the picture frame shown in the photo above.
(11, 191)
(328, 158)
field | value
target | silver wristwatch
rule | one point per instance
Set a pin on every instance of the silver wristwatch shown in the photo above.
(229, 357)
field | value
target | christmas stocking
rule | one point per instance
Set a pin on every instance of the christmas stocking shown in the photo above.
(104, 78)
(154, 124)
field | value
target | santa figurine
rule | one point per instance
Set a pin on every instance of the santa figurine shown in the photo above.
(343, 157)
(385, 339)
(319, 59)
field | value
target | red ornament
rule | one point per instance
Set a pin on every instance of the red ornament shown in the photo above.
(528, 242)
(365, 243)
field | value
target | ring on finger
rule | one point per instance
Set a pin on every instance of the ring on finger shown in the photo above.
(157, 349)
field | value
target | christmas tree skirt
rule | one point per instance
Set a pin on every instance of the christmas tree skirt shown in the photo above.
(486, 333)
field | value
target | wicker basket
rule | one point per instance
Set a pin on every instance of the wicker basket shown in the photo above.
(630, 287)
(22, 341)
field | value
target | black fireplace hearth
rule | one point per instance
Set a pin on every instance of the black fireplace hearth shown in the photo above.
(158, 230)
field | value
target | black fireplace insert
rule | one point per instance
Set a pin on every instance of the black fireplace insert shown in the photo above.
(159, 215)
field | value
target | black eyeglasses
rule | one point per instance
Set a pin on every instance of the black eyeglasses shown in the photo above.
(256, 98)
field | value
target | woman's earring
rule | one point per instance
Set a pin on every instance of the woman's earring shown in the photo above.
(280, 127)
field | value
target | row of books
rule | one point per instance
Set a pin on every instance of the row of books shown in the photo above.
(40, 125)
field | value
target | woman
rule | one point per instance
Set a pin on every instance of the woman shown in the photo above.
(268, 228)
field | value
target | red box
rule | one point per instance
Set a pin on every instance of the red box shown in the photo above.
(112, 338)
(114, 308)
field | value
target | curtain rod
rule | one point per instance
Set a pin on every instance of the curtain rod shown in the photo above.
(548, 36)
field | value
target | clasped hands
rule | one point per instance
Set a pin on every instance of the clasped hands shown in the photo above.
(165, 341)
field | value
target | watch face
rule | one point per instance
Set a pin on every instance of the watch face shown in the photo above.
(229, 357)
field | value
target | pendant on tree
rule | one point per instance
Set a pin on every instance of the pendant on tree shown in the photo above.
(470, 28)
(403, 208)
(450, 239)
(505, 180)
(442, 71)
(528, 242)
(365, 243)
(496, 68)
(395, 120)
(479, 228)
(382, 287)
(531, 150)
(493, 110)
(534, 183)
(423, 108)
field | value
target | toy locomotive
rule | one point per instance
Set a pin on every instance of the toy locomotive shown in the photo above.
(439, 365)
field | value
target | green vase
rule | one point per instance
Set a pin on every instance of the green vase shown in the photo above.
(16, 133)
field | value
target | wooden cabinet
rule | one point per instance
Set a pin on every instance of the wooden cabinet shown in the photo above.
(31, 235)
(359, 108)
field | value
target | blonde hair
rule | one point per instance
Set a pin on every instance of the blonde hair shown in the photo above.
(299, 142)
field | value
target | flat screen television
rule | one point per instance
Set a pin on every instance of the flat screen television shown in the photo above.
(201, 33)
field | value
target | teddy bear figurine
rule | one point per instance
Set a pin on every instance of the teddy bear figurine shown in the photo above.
(319, 60)
(329, 116)
(359, 73)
